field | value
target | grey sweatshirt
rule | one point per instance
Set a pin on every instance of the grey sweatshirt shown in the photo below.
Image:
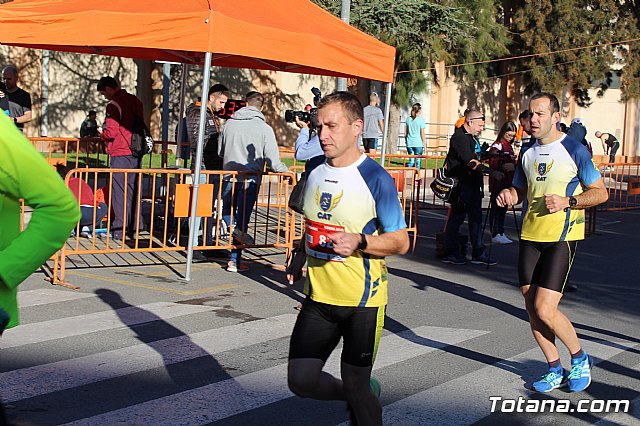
(247, 143)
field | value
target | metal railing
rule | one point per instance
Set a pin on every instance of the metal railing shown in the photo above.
(159, 227)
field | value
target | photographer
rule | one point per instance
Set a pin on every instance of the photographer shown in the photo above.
(308, 144)
(501, 159)
(307, 147)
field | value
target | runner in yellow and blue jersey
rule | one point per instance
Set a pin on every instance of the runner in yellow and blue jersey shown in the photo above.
(359, 199)
(353, 220)
(559, 180)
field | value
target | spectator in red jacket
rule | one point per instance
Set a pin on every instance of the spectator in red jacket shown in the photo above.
(122, 108)
(89, 205)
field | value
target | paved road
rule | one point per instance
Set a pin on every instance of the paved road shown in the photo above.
(137, 346)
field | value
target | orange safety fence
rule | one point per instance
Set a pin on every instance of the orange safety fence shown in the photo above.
(160, 222)
(425, 173)
(407, 180)
(72, 152)
(298, 228)
(91, 152)
(622, 180)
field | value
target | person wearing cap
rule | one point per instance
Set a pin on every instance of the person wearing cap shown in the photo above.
(463, 163)
(578, 131)
(89, 127)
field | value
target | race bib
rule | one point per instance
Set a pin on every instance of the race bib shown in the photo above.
(317, 241)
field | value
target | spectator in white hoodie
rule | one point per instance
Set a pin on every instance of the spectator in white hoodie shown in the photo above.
(247, 144)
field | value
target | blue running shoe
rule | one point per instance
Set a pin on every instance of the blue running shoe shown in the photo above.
(550, 381)
(580, 375)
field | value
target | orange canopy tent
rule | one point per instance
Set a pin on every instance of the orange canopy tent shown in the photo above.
(279, 35)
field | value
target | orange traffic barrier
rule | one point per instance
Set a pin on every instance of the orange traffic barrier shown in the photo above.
(161, 217)
(407, 180)
(623, 183)
(158, 222)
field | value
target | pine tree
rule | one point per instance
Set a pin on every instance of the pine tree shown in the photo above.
(543, 26)
(630, 14)
(422, 33)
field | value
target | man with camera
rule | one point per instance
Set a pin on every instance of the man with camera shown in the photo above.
(463, 162)
(307, 144)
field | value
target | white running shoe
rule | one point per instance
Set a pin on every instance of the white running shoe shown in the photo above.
(501, 239)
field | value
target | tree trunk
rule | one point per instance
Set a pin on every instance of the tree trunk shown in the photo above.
(392, 131)
(148, 95)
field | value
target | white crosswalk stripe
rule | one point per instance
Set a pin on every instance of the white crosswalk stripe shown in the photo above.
(18, 384)
(254, 390)
(83, 324)
(461, 400)
(48, 295)
(465, 399)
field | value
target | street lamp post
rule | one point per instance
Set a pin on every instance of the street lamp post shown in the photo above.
(344, 15)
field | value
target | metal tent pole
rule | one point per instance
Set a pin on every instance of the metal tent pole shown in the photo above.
(193, 222)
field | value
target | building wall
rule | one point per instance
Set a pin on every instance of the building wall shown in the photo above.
(73, 78)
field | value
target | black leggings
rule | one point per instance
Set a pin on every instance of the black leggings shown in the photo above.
(612, 152)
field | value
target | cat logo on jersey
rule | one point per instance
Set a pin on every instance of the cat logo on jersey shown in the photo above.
(327, 202)
(542, 169)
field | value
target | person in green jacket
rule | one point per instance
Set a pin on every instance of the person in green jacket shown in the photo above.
(25, 174)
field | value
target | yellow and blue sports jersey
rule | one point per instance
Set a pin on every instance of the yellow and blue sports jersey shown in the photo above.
(561, 167)
(360, 198)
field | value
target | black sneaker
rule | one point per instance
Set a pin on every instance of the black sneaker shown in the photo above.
(570, 288)
(455, 259)
(483, 259)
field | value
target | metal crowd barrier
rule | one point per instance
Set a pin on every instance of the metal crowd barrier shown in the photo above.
(429, 163)
(623, 183)
(160, 222)
(161, 206)
(91, 152)
(407, 180)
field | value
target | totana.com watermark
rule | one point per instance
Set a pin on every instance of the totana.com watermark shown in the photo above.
(523, 405)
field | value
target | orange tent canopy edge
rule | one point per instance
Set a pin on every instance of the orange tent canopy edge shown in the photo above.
(279, 35)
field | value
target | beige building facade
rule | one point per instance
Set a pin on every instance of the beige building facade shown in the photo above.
(72, 80)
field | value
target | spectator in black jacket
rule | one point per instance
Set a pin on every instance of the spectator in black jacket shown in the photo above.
(463, 163)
